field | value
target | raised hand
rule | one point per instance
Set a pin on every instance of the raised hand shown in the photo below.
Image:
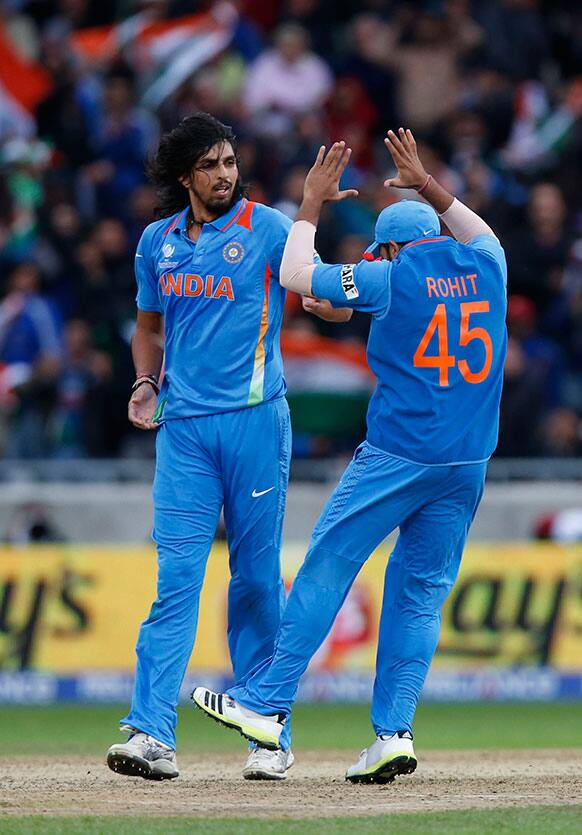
(410, 171)
(322, 181)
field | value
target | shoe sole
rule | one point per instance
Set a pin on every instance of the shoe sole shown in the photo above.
(386, 771)
(136, 767)
(269, 742)
(257, 774)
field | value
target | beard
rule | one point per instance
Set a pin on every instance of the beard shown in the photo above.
(219, 205)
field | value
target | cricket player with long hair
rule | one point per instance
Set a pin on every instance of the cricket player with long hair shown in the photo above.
(437, 345)
(210, 307)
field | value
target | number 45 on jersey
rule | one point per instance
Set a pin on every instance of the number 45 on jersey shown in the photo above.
(443, 360)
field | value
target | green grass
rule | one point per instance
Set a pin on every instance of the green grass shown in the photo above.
(533, 820)
(90, 729)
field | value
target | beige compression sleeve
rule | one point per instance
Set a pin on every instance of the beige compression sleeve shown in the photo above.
(297, 265)
(464, 223)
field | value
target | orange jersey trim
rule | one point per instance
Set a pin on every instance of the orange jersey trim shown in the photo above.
(237, 215)
(426, 241)
(175, 222)
(246, 216)
(256, 393)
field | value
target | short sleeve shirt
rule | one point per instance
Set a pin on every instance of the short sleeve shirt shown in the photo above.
(437, 345)
(222, 305)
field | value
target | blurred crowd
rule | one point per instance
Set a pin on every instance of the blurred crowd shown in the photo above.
(492, 90)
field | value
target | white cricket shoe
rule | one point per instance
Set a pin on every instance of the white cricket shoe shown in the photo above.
(264, 730)
(143, 756)
(263, 764)
(384, 760)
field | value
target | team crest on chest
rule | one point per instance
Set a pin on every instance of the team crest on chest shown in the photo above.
(168, 250)
(233, 252)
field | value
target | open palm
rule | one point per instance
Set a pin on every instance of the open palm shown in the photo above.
(410, 170)
(322, 181)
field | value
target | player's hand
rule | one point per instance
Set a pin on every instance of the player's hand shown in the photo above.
(322, 181)
(410, 170)
(142, 407)
(325, 310)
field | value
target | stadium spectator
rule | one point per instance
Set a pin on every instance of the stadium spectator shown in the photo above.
(30, 355)
(80, 392)
(121, 139)
(539, 250)
(284, 81)
(366, 44)
(522, 404)
(29, 329)
(25, 162)
(542, 354)
(424, 53)
(517, 39)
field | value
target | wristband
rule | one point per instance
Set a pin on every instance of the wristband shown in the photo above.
(427, 182)
(146, 378)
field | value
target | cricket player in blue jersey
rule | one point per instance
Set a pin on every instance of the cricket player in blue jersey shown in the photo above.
(437, 346)
(208, 287)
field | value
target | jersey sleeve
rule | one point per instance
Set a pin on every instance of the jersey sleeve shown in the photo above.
(147, 284)
(491, 246)
(364, 286)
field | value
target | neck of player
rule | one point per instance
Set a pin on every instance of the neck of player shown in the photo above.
(198, 215)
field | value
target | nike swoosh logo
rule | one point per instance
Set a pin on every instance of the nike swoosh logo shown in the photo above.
(137, 255)
(256, 495)
(426, 231)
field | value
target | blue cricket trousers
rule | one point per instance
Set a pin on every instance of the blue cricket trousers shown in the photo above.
(434, 507)
(240, 461)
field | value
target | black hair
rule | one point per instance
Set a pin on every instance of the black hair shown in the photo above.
(178, 152)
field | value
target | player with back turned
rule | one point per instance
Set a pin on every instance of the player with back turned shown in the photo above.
(208, 286)
(437, 346)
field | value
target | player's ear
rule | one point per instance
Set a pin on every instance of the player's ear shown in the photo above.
(185, 180)
(393, 250)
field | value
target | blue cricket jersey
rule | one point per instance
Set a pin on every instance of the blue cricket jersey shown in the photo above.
(223, 308)
(437, 345)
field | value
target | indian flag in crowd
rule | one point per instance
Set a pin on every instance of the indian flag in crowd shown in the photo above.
(329, 385)
(316, 363)
(23, 84)
(165, 52)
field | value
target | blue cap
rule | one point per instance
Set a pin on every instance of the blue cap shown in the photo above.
(407, 220)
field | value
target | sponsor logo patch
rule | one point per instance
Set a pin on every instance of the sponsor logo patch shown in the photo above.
(348, 282)
(233, 252)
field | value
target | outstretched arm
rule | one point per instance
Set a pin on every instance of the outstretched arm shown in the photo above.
(460, 219)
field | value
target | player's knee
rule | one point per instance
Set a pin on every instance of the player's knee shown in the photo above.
(428, 592)
(329, 569)
(180, 579)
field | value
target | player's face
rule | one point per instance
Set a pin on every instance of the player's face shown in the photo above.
(214, 177)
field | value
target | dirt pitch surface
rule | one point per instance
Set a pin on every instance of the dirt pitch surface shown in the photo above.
(212, 786)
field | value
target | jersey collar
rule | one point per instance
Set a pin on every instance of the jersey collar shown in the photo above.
(220, 223)
(224, 221)
(423, 241)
